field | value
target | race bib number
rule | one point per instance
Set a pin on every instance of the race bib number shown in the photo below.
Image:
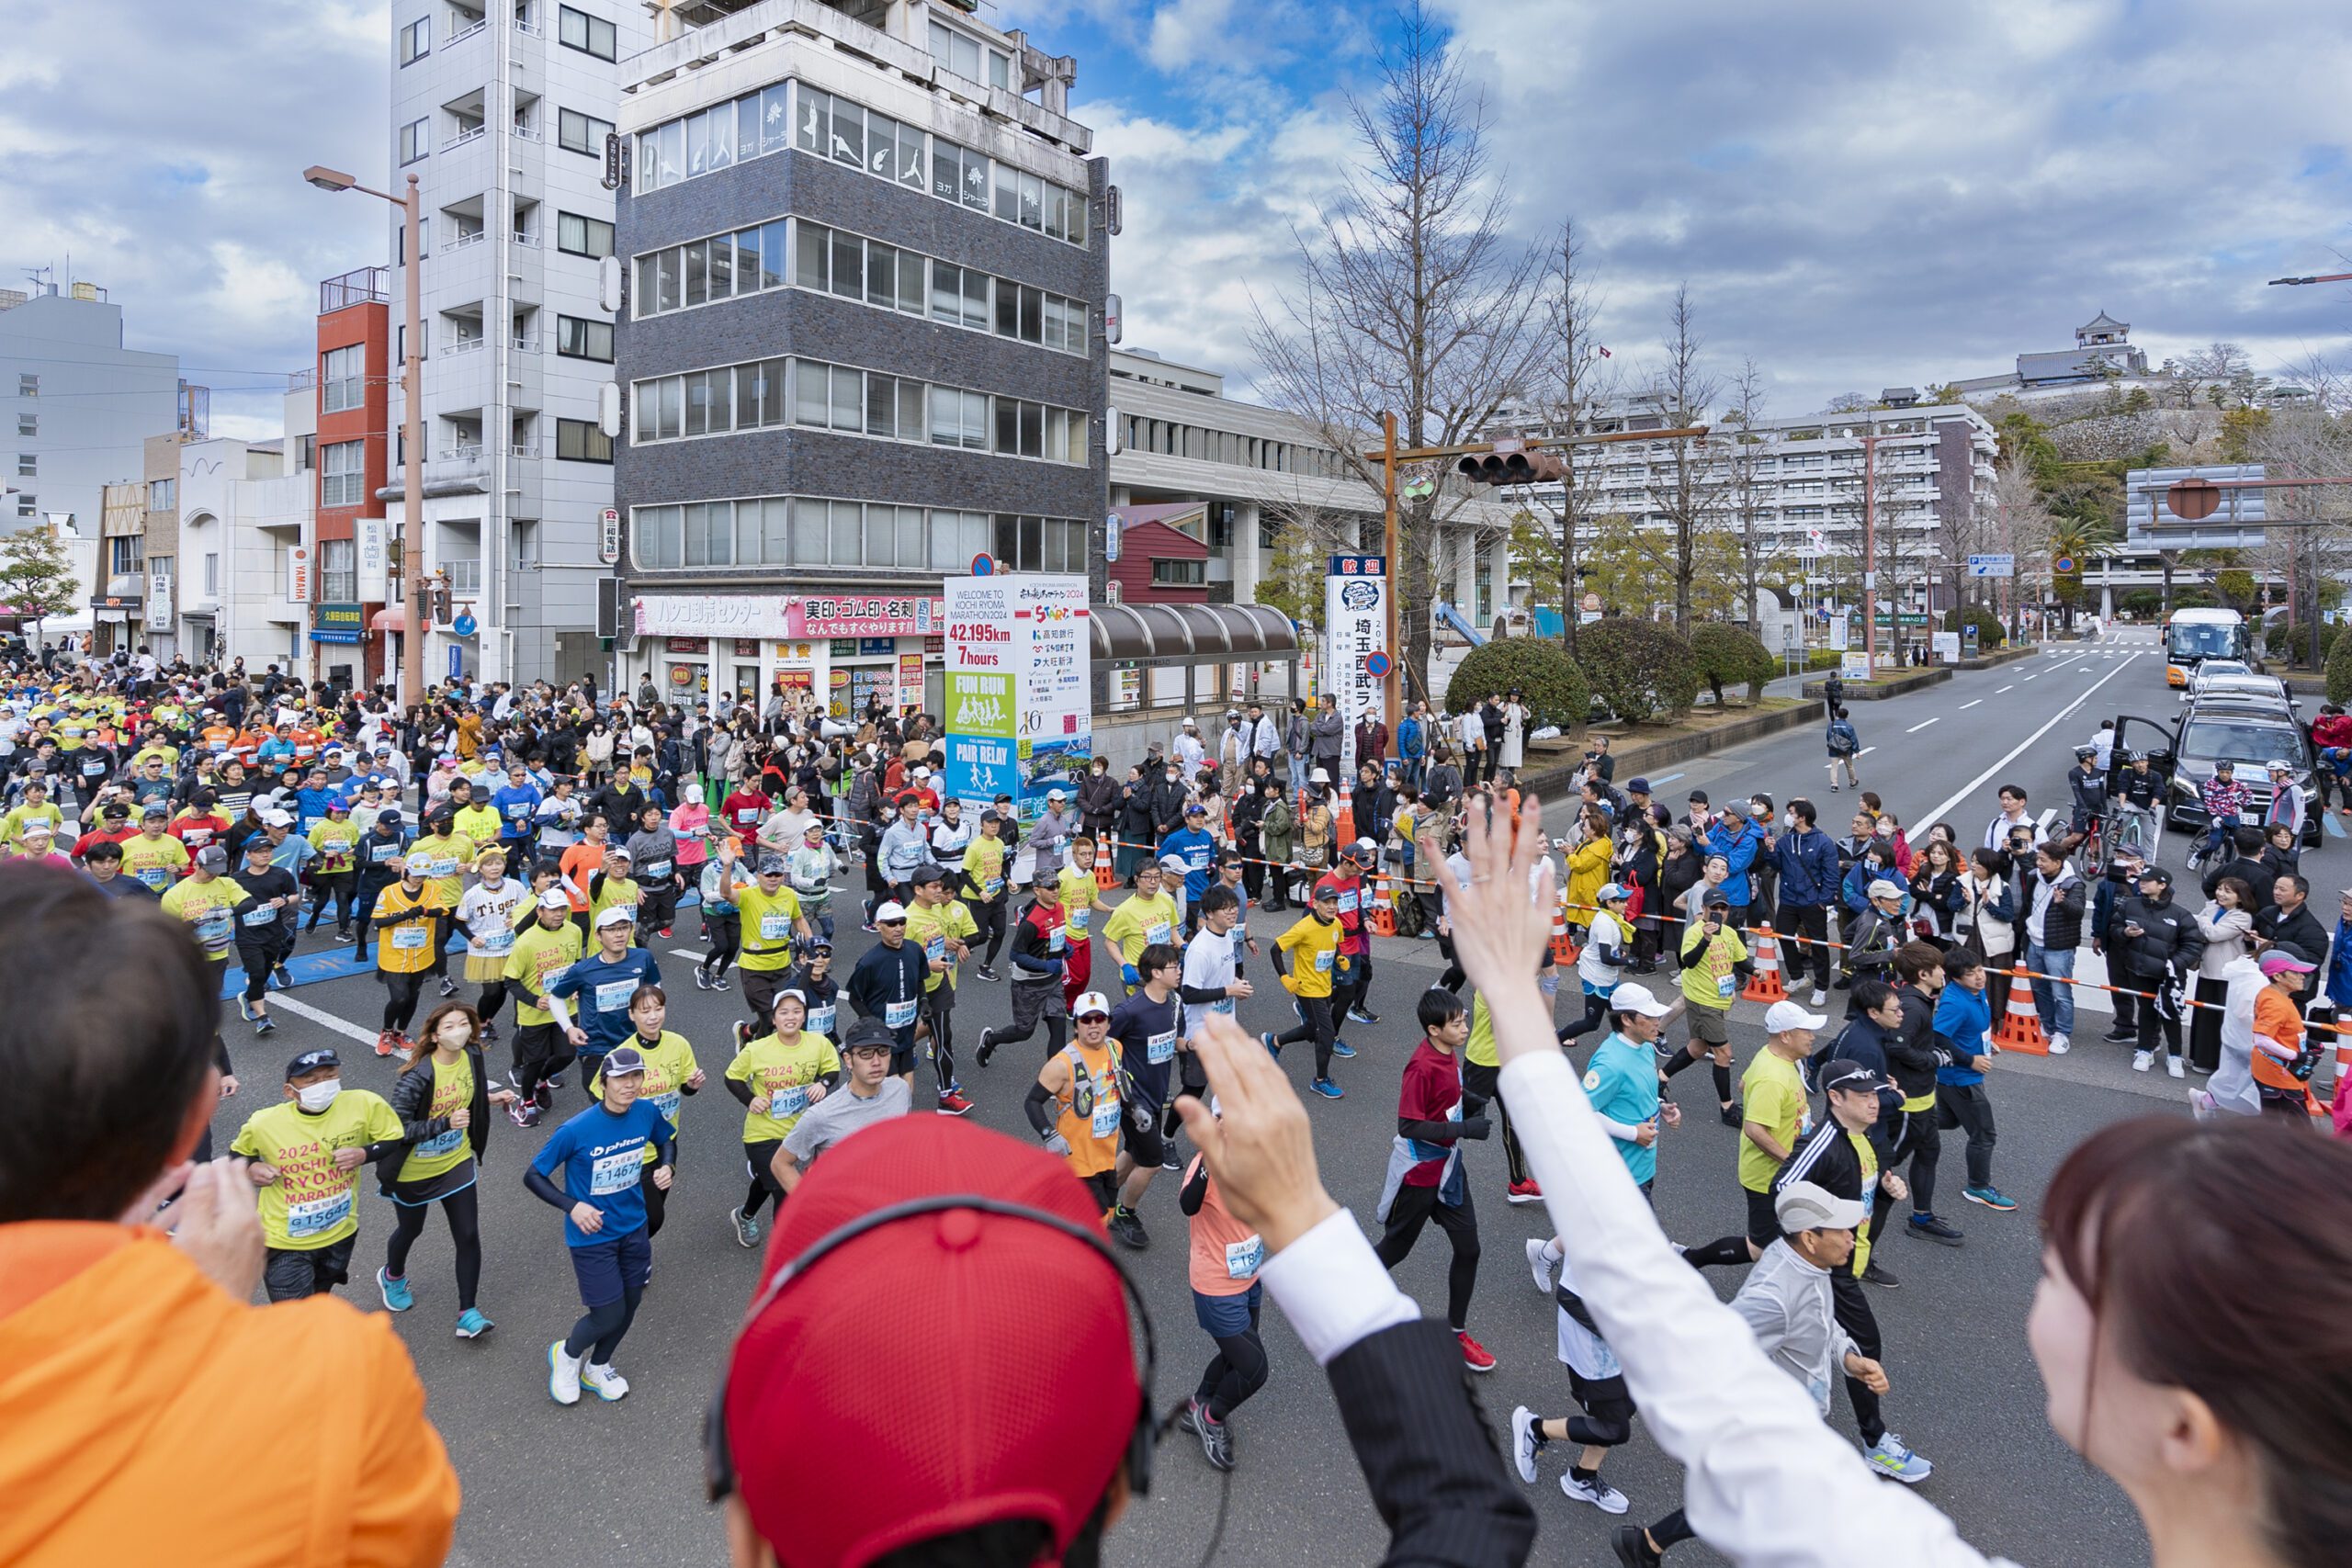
(379, 853)
(1105, 1120)
(1723, 988)
(93, 768)
(316, 1216)
(1160, 1047)
(774, 927)
(657, 869)
(667, 1104)
(1323, 961)
(615, 1172)
(1347, 902)
(212, 927)
(409, 939)
(788, 1101)
(820, 1019)
(498, 939)
(1159, 931)
(898, 1015)
(441, 1144)
(1243, 1258)
(612, 995)
(520, 811)
(1059, 940)
(155, 876)
(261, 915)
(1078, 921)
(935, 949)
(992, 887)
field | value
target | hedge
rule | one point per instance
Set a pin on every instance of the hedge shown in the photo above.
(1640, 669)
(1538, 669)
(2339, 671)
(1733, 654)
(1990, 633)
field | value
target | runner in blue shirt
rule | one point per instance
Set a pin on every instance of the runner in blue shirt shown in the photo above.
(602, 1155)
(1623, 1082)
(605, 980)
(517, 805)
(1198, 850)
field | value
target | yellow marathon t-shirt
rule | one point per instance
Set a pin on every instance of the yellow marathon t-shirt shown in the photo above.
(782, 1074)
(452, 1091)
(310, 1205)
(929, 927)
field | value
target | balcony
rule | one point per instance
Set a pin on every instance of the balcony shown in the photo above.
(528, 241)
(460, 242)
(464, 33)
(457, 347)
(367, 286)
(471, 134)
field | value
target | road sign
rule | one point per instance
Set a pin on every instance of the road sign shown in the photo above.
(2064, 566)
(1418, 487)
(465, 625)
(1377, 665)
(1993, 565)
(2194, 500)
(983, 566)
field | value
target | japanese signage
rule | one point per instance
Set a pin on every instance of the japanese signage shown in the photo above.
(298, 575)
(911, 680)
(875, 616)
(371, 560)
(777, 617)
(1020, 714)
(337, 623)
(1355, 627)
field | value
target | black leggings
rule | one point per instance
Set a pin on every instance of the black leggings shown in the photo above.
(463, 1211)
(1596, 1008)
(1482, 1086)
(493, 996)
(1317, 1028)
(257, 960)
(1235, 1372)
(657, 1199)
(725, 934)
(335, 886)
(988, 915)
(1853, 1313)
(400, 1001)
(1411, 1209)
(598, 1334)
(759, 1160)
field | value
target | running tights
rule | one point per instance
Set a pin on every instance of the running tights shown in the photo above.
(598, 1335)
(463, 1211)
(399, 1001)
(726, 935)
(1722, 1074)
(493, 996)
(1237, 1372)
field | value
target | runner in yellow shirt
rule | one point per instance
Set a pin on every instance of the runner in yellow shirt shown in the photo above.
(1081, 899)
(983, 888)
(944, 929)
(154, 856)
(307, 1151)
(408, 917)
(772, 918)
(546, 948)
(778, 1078)
(1312, 947)
(1148, 916)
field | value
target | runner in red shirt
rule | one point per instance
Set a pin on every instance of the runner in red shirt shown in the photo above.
(1425, 1177)
(114, 828)
(744, 809)
(1346, 881)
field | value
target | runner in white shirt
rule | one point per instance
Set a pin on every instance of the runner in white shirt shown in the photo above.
(487, 913)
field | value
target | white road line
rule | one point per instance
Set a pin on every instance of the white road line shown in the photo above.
(2084, 671)
(1865, 751)
(2042, 824)
(1937, 720)
(1663, 779)
(2052, 723)
(1966, 707)
(280, 1000)
(2011, 687)
(2031, 677)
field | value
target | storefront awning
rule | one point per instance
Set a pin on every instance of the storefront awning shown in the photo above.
(390, 618)
(1192, 634)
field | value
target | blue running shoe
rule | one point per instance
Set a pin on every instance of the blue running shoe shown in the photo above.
(396, 1293)
(472, 1324)
(1325, 1088)
(1342, 1050)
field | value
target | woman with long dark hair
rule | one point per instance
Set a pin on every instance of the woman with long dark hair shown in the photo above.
(443, 1098)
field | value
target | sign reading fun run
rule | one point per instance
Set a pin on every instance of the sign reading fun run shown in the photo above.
(1019, 705)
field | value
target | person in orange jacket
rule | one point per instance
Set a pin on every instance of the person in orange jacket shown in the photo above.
(147, 1408)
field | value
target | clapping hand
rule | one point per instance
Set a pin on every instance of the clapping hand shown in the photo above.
(1502, 916)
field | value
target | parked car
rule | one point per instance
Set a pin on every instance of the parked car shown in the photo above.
(2224, 687)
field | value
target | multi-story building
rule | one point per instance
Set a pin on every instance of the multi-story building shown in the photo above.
(349, 542)
(245, 523)
(75, 405)
(504, 108)
(118, 587)
(160, 473)
(867, 258)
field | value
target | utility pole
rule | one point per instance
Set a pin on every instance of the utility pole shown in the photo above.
(1394, 686)
(1870, 548)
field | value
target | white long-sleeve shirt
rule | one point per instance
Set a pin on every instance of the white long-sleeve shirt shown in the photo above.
(1790, 1308)
(1768, 1486)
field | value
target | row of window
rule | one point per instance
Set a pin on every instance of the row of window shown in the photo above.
(770, 393)
(574, 131)
(574, 236)
(343, 479)
(29, 464)
(810, 532)
(1142, 434)
(833, 260)
(574, 30)
(343, 378)
(797, 116)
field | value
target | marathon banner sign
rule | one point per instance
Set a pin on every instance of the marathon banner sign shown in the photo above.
(1019, 713)
(1355, 627)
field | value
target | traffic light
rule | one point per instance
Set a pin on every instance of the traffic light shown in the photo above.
(1513, 468)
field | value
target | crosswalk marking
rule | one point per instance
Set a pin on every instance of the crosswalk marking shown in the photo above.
(280, 1001)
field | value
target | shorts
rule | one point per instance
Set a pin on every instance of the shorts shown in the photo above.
(1604, 1399)
(1763, 1221)
(1144, 1144)
(1223, 1318)
(902, 1060)
(1103, 1187)
(1709, 1025)
(290, 1274)
(609, 1269)
(432, 1189)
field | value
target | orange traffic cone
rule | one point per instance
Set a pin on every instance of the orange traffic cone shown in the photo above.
(1379, 911)
(1764, 986)
(1563, 947)
(1104, 878)
(2022, 1029)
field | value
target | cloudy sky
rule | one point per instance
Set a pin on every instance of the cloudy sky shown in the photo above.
(1859, 194)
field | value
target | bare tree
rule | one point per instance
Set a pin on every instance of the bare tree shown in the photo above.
(1745, 449)
(2020, 520)
(1577, 378)
(1694, 489)
(1412, 298)
(2307, 438)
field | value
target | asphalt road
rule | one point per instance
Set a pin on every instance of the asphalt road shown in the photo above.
(544, 1484)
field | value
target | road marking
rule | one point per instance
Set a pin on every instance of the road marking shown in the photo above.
(1937, 720)
(319, 1016)
(2041, 827)
(2052, 723)
(2329, 818)
(1865, 751)
(1664, 779)
(2032, 677)
(2011, 687)
(2084, 671)
(1966, 707)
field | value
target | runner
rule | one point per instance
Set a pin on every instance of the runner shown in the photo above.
(617, 887)
(377, 857)
(812, 977)
(1211, 984)
(153, 857)
(719, 892)
(441, 857)
(1312, 948)
(489, 913)
(1714, 962)
(653, 851)
(1425, 1178)
(306, 1152)
(1147, 915)
(771, 917)
(601, 1153)
(776, 1077)
(1074, 1104)
(264, 911)
(942, 929)
(1625, 1085)
(606, 981)
(442, 1097)
(1963, 1025)
(407, 917)
(983, 889)
(1081, 898)
(873, 1093)
(546, 948)
(670, 1074)
(1607, 947)
(1774, 1115)
(334, 873)
(1596, 1381)
(813, 865)
(1038, 942)
(1222, 1264)
(1145, 1025)
(1351, 982)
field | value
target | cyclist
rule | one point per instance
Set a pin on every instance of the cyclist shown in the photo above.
(2138, 788)
(2088, 783)
(2224, 800)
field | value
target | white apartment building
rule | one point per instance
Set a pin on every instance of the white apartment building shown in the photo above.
(501, 109)
(75, 406)
(244, 531)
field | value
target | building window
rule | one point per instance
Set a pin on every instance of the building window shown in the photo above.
(414, 140)
(1040, 544)
(28, 424)
(579, 339)
(857, 402)
(813, 533)
(416, 40)
(211, 576)
(125, 556)
(306, 456)
(162, 495)
(338, 571)
(28, 385)
(582, 133)
(578, 236)
(1179, 573)
(582, 441)
(590, 35)
(27, 505)
(29, 464)
(342, 379)
(341, 481)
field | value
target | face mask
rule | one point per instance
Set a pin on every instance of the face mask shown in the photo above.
(316, 1097)
(1788, 819)
(1885, 829)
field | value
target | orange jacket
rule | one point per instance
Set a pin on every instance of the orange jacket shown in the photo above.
(145, 1416)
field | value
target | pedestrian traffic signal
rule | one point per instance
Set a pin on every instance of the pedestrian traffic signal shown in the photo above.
(1513, 468)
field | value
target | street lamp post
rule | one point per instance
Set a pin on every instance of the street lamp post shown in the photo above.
(412, 431)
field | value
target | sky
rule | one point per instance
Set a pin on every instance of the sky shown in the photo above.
(1857, 195)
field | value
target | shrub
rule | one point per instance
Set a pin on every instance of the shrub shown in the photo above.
(1641, 670)
(1734, 654)
(1538, 669)
(2339, 671)
(1990, 633)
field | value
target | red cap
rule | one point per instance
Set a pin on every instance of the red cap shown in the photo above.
(935, 1373)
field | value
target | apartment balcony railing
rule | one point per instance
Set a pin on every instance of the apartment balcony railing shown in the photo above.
(471, 134)
(466, 32)
(472, 237)
(528, 241)
(460, 454)
(462, 345)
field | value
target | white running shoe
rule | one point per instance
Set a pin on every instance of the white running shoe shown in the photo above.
(2142, 1060)
(609, 1384)
(1540, 1266)
(1820, 997)
(563, 1374)
(2059, 1045)
(2172, 1066)
(1522, 1443)
(1597, 1492)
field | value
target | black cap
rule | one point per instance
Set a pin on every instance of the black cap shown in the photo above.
(1715, 898)
(870, 1032)
(2155, 874)
(1700, 795)
(1853, 1077)
(311, 1061)
(117, 808)
(389, 817)
(925, 874)
(624, 1059)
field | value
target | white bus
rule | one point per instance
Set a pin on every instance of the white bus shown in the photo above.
(2192, 636)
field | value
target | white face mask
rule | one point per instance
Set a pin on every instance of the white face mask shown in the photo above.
(1788, 819)
(316, 1097)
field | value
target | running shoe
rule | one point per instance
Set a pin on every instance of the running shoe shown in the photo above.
(244, 1009)
(284, 976)
(472, 1324)
(1632, 1545)
(1360, 1015)
(954, 1104)
(1128, 1230)
(718, 981)
(665, 932)
(489, 1033)
(1522, 1442)
(1216, 1437)
(988, 1045)
(985, 973)
(1732, 1117)
(607, 1382)
(702, 981)
(747, 1228)
(384, 1043)
(1597, 1492)
(2142, 1060)
(1271, 1042)
(1524, 1191)
(1342, 1050)
(448, 987)
(1874, 1275)
(1927, 1228)
(395, 1291)
(1539, 1263)
(1991, 1197)
(264, 1024)
(1891, 1458)
(563, 1374)
(522, 1113)
(742, 1034)
(1474, 1356)
(1326, 1088)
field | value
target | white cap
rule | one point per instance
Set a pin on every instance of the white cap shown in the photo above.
(892, 910)
(1092, 1001)
(1631, 998)
(1190, 725)
(1781, 1016)
(1056, 795)
(551, 899)
(276, 819)
(1320, 776)
(618, 915)
(1883, 888)
(1176, 864)
(1805, 1206)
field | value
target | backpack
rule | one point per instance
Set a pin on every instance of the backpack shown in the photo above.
(1842, 738)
